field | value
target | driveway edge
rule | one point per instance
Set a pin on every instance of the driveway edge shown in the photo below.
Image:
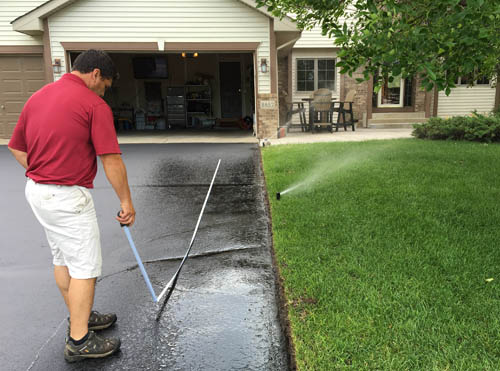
(278, 279)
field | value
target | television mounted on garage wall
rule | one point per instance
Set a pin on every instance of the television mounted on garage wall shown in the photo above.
(150, 67)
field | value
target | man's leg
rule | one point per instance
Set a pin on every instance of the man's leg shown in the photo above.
(83, 297)
(81, 300)
(80, 345)
(63, 279)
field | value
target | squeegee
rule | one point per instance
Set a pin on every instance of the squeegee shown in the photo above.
(169, 288)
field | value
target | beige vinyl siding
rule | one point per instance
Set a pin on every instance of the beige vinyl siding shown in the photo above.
(161, 20)
(10, 10)
(314, 39)
(311, 54)
(463, 100)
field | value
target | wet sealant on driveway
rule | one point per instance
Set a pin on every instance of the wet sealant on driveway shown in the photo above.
(223, 313)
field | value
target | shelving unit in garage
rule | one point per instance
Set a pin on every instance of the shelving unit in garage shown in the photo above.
(176, 106)
(199, 106)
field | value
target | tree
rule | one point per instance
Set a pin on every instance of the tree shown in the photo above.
(440, 40)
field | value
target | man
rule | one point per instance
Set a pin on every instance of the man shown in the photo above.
(61, 130)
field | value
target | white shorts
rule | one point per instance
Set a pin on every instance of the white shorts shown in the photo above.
(68, 216)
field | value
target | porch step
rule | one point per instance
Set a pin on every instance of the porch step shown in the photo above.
(402, 120)
(387, 120)
(398, 115)
(399, 125)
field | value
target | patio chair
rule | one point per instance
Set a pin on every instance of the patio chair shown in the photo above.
(321, 110)
(345, 107)
(292, 109)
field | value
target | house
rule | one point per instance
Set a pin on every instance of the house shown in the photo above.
(399, 104)
(181, 62)
(193, 63)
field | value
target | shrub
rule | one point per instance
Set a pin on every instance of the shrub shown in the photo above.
(477, 128)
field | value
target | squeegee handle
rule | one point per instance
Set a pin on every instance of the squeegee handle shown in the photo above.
(141, 266)
(139, 261)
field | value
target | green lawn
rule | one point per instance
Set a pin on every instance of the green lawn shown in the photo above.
(386, 252)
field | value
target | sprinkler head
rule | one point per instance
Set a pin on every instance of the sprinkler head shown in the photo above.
(278, 196)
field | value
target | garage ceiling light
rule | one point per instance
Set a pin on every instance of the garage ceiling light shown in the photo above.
(189, 55)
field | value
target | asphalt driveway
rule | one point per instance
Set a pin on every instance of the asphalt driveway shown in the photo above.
(223, 314)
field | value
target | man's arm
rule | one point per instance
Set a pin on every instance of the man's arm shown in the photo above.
(21, 157)
(117, 175)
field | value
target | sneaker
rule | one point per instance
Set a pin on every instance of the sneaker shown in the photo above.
(94, 347)
(98, 321)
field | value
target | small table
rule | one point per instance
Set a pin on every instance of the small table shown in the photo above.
(311, 118)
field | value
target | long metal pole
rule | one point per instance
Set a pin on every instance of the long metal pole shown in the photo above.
(172, 282)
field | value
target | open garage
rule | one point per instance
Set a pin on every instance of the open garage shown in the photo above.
(182, 90)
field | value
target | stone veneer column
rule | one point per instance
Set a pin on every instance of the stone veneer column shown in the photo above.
(267, 116)
(419, 95)
(360, 105)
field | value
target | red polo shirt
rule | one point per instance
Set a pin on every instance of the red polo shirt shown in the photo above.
(62, 127)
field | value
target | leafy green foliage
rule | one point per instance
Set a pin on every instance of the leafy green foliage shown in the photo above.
(478, 128)
(438, 40)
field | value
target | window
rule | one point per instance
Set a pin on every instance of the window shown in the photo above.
(468, 80)
(326, 74)
(313, 74)
(465, 80)
(483, 81)
(305, 74)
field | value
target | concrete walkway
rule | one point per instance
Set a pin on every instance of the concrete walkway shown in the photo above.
(361, 134)
(188, 136)
(239, 136)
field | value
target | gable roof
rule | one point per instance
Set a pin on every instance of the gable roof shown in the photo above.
(31, 23)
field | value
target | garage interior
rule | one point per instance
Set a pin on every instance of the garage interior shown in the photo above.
(182, 91)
